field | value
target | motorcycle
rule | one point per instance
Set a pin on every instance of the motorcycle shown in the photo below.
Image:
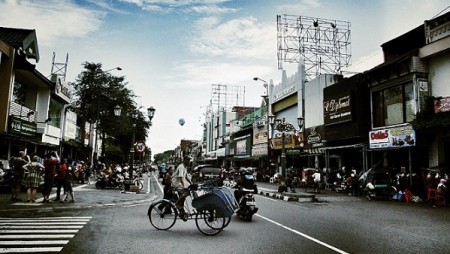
(247, 204)
(6, 177)
(246, 188)
(113, 181)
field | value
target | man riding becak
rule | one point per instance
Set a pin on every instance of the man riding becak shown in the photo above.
(179, 180)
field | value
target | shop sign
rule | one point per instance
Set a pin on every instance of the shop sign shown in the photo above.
(337, 109)
(288, 91)
(441, 105)
(21, 127)
(241, 147)
(399, 136)
(70, 131)
(259, 136)
(291, 140)
(62, 89)
(314, 137)
(259, 150)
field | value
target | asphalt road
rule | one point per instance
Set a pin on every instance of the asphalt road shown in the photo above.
(118, 223)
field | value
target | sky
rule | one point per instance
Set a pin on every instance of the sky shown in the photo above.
(172, 51)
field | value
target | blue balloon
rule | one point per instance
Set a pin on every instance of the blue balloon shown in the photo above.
(181, 121)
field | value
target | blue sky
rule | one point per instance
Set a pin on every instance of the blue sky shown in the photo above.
(172, 51)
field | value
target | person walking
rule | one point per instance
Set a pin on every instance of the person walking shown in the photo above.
(18, 175)
(68, 189)
(61, 173)
(50, 162)
(33, 178)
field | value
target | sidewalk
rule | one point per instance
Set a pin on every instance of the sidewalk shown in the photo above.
(86, 195)
(271, 190)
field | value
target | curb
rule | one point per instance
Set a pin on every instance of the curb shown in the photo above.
(289, 198)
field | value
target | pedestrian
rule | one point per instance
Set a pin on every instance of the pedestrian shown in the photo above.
(18, 175)
(70, 176)
(168, 190)
(33, 178)
(316, 179)
(167, 182)
(60, 178)
(289, 182)
(50, 162)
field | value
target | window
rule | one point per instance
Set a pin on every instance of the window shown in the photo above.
(393, 105)
(54, 113)
(19, 93)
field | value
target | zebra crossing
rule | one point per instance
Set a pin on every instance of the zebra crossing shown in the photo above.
(37, 235)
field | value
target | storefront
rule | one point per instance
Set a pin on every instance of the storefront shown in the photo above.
(395, 150)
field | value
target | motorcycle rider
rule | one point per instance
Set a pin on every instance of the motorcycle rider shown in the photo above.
(246, 181)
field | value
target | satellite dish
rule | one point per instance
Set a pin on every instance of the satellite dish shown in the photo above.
(181, 121)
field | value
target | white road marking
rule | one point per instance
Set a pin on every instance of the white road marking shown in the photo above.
(303, 235)
(38, 231)
(33, 235)
(31, 250)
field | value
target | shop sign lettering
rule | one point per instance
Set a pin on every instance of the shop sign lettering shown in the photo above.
(337, 109)
(442, 105)
(22, 127)
(399, 136)
(284, 93)
(62, 89)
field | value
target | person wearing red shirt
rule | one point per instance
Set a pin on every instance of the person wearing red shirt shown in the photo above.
(50, 162)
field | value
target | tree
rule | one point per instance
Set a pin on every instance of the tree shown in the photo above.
(96, 94)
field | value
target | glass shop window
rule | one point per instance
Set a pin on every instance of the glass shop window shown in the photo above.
(393, 105)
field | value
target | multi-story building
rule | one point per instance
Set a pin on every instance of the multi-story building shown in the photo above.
(32, 107)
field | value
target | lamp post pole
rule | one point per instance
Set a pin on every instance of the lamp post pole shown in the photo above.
(282, 126)
(133, 137)
(266, 101)
(283, 154)
(103, 113)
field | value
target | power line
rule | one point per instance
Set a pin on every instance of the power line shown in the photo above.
(440, 12)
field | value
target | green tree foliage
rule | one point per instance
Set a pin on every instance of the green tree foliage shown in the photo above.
(163, 157)
(96, 94)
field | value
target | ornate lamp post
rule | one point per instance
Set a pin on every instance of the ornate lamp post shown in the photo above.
(282, 126)
(151, 113)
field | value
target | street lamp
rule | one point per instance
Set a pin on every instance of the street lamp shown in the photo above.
(282, 126)
(102, 114)
(266, 101)
(116, 68)
(117, 110)
(150, 113)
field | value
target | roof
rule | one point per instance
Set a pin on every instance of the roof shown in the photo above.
(21, 38)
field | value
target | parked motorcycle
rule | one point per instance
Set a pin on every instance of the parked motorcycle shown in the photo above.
(246, 188)
(6, 177)
(114, 181)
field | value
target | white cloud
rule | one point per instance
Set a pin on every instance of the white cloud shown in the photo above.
(300, 6)
(53, 20)
(210, 9)
(237, 38)
(207, 72)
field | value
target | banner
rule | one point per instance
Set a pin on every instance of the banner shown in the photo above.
(400, 136)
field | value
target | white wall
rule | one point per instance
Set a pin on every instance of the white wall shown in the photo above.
(439, 75)
(314, 98)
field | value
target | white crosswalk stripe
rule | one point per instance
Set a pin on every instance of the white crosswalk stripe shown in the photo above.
(38, 235)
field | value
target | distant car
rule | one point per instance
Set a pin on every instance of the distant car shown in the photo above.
(204, 172)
